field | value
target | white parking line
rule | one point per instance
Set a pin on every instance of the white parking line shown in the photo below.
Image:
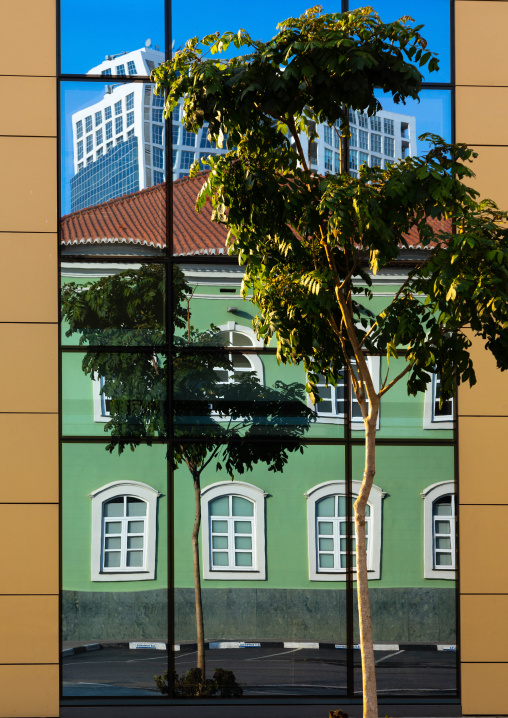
(271, 655)
(390, 655)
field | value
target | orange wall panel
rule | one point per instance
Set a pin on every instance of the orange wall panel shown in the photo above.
(28, 185)
(39, 122)
(29, 691)
(483, 542)
(29, 451)
(484, 629)
(484, 689)
(480, 37)
(29, 364)
(29, 292)
(29, 629)
(28, 38)
(29, 557)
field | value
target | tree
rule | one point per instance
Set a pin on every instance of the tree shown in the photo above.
(122, 313)
(309, 244)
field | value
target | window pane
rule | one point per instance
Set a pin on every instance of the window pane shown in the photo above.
(112, 559)
(113, 527)
(111, 543)
(136, 527)
(325, 544)
(242, 507)
(134, 558)
(243, 542)
(342, 505)
(325, 528)
(101, 304)
(435, 17)
(220, 559)
(220, 507)
(135, 542)
(243, 559)
(220, 527)
(114, 507)
(89, 37)
(443, 543)
(135, 507)
(325, 560)
(326, 506)
(443, 559)
(243, 527)
(219, 541)
(442, 527)
(443, 507)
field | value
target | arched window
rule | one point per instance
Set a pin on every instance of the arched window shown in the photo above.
(327, 528)
(233, 531)
(237, 336)
(435, 416)
(124, 523)
(332, 407)
(439, 530)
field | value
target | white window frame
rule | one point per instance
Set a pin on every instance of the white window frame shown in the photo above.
(430, 421)
(100, 413)
(99, 497)
(254, 343)
(245, 491)
(429, 495)
(335, 417)
(334, 488)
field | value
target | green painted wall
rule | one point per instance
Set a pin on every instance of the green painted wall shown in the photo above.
(86, 467)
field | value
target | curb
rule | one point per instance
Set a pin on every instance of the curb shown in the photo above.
(81, 649)
(218, 645)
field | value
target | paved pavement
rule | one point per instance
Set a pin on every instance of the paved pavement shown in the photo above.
(265, 671)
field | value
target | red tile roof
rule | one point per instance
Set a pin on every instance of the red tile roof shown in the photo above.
(139, 219)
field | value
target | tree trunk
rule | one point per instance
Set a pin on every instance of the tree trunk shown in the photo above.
(200, 629)
(366, 643)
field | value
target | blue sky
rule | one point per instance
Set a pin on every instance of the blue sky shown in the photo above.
(116, 25)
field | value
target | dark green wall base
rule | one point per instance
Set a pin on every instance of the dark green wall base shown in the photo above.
(399, 615)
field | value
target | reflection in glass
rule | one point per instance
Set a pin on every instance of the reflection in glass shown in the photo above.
(114, 569)
(413, 603)
(255, 584)
(435, 17)
(111, 39)
(113, 304)
(122, 394)
(112, 146)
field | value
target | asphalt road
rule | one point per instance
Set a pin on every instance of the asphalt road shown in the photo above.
(262, 671)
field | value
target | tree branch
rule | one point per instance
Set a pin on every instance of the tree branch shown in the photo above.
(394, 381)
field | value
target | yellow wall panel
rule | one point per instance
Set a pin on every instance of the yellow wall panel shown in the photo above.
(484, 688)
(471, 126)
(29, 691)
(480, 53)
(489, 169)
(482, 443)
(29, 629)
(489, 397)
(41, 120)
(29, 451)
(483, 542)
(29, 365)
(28, 261)
(28, 185)
(483, 628)
(29, 556)
(28, 38)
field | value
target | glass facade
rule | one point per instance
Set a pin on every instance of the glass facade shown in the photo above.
(175, 414)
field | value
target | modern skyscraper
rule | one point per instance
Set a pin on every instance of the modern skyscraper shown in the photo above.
(118, 143)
